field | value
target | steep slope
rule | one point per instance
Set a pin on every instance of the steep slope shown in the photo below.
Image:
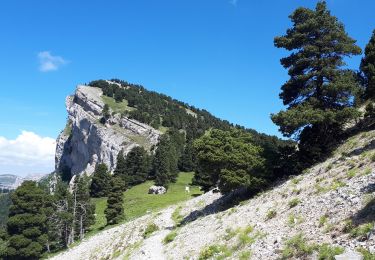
(332, 203)
(86, 142)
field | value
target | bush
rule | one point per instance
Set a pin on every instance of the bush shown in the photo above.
(151, 228)
(294, 202)
(327, 252)
(271, 214)
(170, 237)
(297, 247)
(366, 254)
(221, 251)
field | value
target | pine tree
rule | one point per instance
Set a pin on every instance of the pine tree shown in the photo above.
(59, 222)
(120, 170)
(319, 94)
(27, 223)
(85, 208)
(137, 166)
(368, 67)
(186, 163)
(114, 212)
(229, 160)
(100, 183)
(165, 162)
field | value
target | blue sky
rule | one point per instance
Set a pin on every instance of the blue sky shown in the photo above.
(213, 54)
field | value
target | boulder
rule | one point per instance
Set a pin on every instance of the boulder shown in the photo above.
(157, 190)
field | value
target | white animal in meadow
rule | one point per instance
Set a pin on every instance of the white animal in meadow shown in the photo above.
(187, 189)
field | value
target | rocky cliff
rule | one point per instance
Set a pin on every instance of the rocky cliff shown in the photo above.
(86, 141)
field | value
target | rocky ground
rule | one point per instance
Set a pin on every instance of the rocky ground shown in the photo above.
(332, 203)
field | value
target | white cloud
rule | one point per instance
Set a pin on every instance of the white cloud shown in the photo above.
(28, 153)
(48, 62)
(233, 2)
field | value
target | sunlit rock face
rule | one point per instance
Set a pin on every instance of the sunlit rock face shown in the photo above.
(86, 142)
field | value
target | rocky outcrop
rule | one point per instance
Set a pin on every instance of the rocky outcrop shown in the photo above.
(86, 142)
(157, 190)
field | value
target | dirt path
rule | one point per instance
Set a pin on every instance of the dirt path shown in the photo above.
(153, 247)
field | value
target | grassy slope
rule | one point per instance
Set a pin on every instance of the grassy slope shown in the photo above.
(137, 201)
(117, 107)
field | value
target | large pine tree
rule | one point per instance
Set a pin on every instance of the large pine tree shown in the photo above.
(137, 166)
(114, 212)
(165, 162)
(27, 223)
(120, 170)
(100, 181)
(319, 94)
(368, 67)
(229, 160)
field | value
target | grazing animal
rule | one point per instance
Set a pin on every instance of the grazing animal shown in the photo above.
(187, 189)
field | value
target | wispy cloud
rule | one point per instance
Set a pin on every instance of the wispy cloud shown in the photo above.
(49, 62)
(233, 2)
(28, 153)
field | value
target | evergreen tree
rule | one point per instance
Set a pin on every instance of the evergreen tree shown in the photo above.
(165, 162)
(186, 163)
(85, 208)
(114, 212)
(319, 94)
(368, 67)
(120, 170)
(59, 222)
(137, 166)
(27, 223)
(100, 183)
(229, 160)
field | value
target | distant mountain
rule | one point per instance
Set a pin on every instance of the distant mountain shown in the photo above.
(11, 182)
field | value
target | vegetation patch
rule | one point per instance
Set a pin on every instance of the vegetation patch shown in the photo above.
(170, 237)
(151, 228)
(294, 202)
(294, 220)
(215, 251)
(327, 252)
(297, 247)
(367, 255)
(176, 216)
(271, 214)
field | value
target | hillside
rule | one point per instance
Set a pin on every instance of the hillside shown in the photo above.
(325, 211)
(105, 117)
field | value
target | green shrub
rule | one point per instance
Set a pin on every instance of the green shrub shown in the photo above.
(294, 202)
(351, 173)
(327, 252)
(297, 247)
(244, 238)
(294, 219)
(271, 214)
(367, 171)
(217, 251)
(323, 220)
(244, 255)
(366, 254)
(170, 237)
(151, 228)
(176, 216)
(372, 157)
(337, 184)
(361, 230)
(229, 234)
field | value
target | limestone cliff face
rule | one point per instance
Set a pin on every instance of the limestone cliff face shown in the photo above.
(85, 142)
